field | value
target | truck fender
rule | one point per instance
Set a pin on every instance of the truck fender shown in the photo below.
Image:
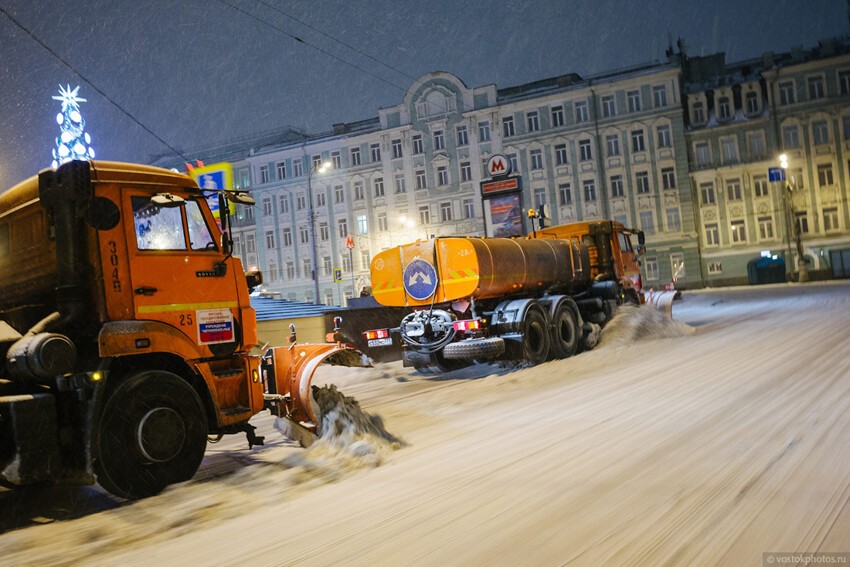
(121, 338)
(508, 316)
(553, 304)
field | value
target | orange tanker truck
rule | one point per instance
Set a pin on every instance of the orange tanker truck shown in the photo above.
(535, 298)
(127, 334)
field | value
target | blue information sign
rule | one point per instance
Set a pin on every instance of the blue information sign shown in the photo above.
(420, 279)
(776, 174)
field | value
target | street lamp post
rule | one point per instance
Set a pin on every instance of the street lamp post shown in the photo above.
(788, 196)
(320, 167)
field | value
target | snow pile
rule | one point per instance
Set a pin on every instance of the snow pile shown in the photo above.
(632, 323)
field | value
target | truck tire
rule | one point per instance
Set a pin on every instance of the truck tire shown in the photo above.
(535, 337)
(471, 349)
(565, 335)
(152, 433)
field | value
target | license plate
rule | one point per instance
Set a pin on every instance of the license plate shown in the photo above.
(381, 342)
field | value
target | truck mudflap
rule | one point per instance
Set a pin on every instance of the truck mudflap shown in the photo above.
(29, 439)
(288, 375)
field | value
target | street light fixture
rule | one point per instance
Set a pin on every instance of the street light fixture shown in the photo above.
(318, 167)
(788, 200)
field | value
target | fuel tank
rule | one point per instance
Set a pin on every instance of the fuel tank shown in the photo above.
(445, 269)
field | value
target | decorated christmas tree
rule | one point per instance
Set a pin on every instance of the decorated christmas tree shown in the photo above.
(73, 142)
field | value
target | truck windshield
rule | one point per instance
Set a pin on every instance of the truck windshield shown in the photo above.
(157, 228)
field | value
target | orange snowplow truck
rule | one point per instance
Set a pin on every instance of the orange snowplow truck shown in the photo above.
(535, 298)
(127, 333)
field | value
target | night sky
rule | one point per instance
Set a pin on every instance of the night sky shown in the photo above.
(198, 72)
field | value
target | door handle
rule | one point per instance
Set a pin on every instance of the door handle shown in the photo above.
(145, 290)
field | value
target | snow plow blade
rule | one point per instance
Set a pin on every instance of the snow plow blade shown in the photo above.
(288, 373)
(661, 300)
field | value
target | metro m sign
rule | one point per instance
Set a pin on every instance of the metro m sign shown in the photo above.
(498, 166)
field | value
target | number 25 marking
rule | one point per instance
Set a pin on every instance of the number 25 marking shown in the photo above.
(186, 319)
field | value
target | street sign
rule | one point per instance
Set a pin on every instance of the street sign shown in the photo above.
(215, 177)
(349, 241)
(337, 275)
(776, 174)
(498, 166)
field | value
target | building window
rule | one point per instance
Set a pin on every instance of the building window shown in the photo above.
(280, 167)
(647, 222)
(300, 202)
(324, 231)
(706, 191)
(664, 139)
(320, 199)
(342, 228)
(399, 184)
(846, 123)
(539, 198)
(250, 244)
(733, 190)
(803, 221)
(508, 126)
(362, 225)
(339, 195)
(346, 268)
(608, 107)
(418, 147)
(533, 121)
(465, 171)
(561, 154)
(273, 274)
(612, 142)
(825, 175)
(633, 98)
(468, 209)
(267, 207)
(712, 235)
(264, 174)
(638, 144)
(270, 240)
(297, 168)
(674, 223)
(442, 175)
(581, 111)
(760, 186)
(642, 181)
(589, 190)
(729, 148)
(439, 140)
(287, 237)
(424, 215)
(724, 108)
(790, 137)
(379, 186)
(668, 178)
(565, 194)
(336, 160)
(536, 159)
(284, 204)
(484, 131)
(816, 90)
(365, 258)
(659, 96)
(307, 270)
(557, 116)
(584, 150)
(326, 270)
(752, 102)
(651, 266)
(820, 132)
(355, 156)
(514, 163)
(303, 234)
(383, 224)
(739, 232)
(844, 82)
(698, 111)
(317, 161)
(445, 212)
(421, 182)
(765, 228)
(616, 185)
(702, 153)
(375, 152)
(462, 136)
(359, 193)
(290, 270)
(757, 145)
(830, 220)
(786, 93)
(396, 148)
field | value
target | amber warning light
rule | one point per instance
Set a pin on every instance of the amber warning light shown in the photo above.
(467, 325)
(378, 338)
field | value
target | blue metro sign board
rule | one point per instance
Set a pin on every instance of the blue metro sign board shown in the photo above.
(215, 177)
(775, 174)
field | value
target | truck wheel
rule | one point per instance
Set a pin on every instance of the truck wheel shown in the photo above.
(535, 337)
(482, 349)
(152, 433)
(564, 333)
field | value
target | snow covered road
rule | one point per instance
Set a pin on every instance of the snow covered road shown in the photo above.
(708, 444)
